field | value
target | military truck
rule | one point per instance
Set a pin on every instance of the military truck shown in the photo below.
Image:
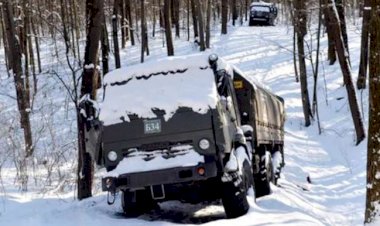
(262, 13)
(188, 128)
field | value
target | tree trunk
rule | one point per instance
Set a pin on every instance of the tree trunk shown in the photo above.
(154, 18)
(105, 47)
(175, 15)
(168, 30)
(14, 60)
(77, 32)
(144, 35)
(122, 23)
(315, 110)
(188, 20)
(301, 23)
(372, 213)
(6, 49)
(130, 22)
(115, 35)
(195, 21)
(208, 18)
(331, 44)
(224, 16)
(90, 83)
(342, 20)
(363, 66)
(198, 9)
(37, 43)
(234, 12)
(346, 71)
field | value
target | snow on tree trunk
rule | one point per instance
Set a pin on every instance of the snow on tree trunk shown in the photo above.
(90, 82)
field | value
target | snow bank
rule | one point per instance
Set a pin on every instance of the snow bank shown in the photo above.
(163, 84)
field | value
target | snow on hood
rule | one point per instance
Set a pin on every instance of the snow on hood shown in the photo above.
(165, 84)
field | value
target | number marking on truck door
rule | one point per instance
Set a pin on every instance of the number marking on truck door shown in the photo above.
(152, 126)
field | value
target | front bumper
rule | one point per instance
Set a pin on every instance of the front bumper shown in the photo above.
(158, 177)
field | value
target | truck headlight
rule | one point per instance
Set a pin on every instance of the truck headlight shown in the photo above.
(112, 156)
(204, 144)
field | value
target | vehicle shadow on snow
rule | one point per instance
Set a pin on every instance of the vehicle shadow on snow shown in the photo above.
(184, 213)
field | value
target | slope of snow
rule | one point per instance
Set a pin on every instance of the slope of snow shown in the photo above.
(331, 161)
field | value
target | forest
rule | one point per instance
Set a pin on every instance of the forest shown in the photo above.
(321, 56)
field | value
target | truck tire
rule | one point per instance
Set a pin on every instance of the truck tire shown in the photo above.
(270, 170)
(135, 203)
(262, 186)
(251, 23)
(234, 195)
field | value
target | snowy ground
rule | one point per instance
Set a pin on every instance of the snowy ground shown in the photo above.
(336, 167)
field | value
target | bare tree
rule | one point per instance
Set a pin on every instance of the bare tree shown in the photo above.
(208, 21)
(224, 16)
(195, 21)
(372, 213)
(199, 12)
(363, 66)
(301, 23)
(90, 82)
(14, 59)
(342, 19)
(144, 32)
(168, 30)
(346, 70)
(130, 21)
(114, 33)
(331, 43)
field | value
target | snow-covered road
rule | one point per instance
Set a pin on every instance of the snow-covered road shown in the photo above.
(334, 165)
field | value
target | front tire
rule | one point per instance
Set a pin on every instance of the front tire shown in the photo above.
(135, 203)
(234, 195)
(251, 23)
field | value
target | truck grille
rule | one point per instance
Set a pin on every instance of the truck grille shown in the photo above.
(165, 149)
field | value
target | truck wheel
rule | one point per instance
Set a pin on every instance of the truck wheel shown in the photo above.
(135, 203)
(234, 196)
(262, 186)
(251, 22)
(270, 169)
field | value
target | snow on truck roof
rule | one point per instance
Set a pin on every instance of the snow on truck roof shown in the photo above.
(165, 84)
(261, 3)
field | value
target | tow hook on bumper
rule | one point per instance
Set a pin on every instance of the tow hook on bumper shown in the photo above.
(109, 185)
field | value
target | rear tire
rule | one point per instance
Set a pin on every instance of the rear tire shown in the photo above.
(135, 203)
(234, 195)
(270, 170)
(262, 186)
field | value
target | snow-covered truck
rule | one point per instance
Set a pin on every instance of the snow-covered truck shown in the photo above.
(188, 128)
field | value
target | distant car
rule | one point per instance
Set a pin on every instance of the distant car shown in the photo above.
(262, 13)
